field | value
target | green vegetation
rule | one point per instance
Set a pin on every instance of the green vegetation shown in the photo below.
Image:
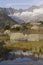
(4, 37)
(6, 22)
(36, 47)
(1, 48)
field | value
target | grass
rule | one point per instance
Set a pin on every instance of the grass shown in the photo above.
(33, 46)
(4, 37)
(36, 46)
(31, 31)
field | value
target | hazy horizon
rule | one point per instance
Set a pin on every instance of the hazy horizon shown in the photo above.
(20, 4)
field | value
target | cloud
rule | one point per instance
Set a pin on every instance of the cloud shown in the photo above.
(37, 11)
(27, 16)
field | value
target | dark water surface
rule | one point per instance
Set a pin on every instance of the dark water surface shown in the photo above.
(12, 59)
(22, 61)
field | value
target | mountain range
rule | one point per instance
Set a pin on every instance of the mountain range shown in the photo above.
(5, 19)
(32, 14)
(12, 16)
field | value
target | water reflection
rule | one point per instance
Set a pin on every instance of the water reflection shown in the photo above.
(13, 58)
(22, 61)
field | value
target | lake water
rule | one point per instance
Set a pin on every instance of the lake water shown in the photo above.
(12, 59)
(22, 61)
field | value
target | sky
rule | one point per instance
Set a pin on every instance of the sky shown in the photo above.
(19, 4)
